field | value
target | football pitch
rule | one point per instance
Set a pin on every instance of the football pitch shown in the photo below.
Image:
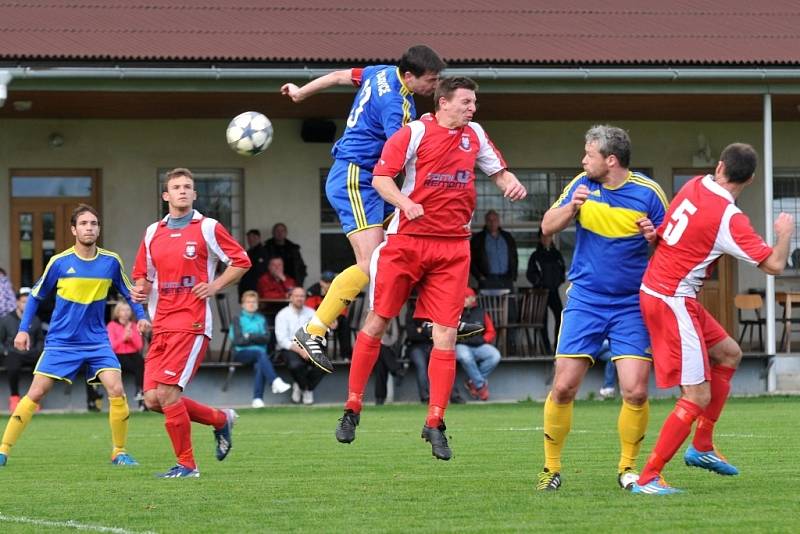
(287, 473)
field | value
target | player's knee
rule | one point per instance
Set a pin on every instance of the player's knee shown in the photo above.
(151, 401)
(563, 393)
(636, 397)
(699, 397)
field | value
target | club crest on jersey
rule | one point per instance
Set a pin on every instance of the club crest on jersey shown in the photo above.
(464, 145)
(190, 252)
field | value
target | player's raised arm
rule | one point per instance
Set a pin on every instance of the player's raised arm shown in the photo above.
(338, 77)
(561, 214)
(508, 183)
(784, 229)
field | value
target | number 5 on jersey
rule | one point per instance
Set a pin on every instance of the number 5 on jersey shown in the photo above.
(679, 221)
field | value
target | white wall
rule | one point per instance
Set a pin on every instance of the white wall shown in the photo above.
(282, 184)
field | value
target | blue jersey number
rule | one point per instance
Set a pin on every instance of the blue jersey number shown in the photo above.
(366, 92)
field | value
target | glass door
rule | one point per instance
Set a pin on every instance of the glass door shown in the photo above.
(41, 205)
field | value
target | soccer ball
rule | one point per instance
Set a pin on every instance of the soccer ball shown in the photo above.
(249, 133)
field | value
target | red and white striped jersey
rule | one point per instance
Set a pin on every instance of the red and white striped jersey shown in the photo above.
(702, 224)
(176, 260)
(439, 166)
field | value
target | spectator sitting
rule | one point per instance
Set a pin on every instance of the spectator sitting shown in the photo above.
(546, 269)
(341, 328)
(275, 284)
(306, 375)
(15, 359)
(477, 356)
(418, 351)
(494, 255)
(8, 300)
(278, 245)
(258, 258)
(127, 343)
(250, 335)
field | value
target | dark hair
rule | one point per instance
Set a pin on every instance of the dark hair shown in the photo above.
(420, 59)
(253, 231)
(177, 173)
(448, 86)
(82, 208)
(611, 141)
(277, 224)
(740, 160)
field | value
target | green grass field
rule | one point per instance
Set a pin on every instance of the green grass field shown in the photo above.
(287, 473)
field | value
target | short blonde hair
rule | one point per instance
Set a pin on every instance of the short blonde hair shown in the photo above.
(248, 294)
(118, 308)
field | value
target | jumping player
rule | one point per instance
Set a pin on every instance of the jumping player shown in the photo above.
(383, 104)
(179, 255)
(610, 206)
(690, 348)
(81, 277)
(427, 242)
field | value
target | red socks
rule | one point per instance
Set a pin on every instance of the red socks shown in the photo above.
(179, 429)
(673, 433)
(201, 413)
(720, 388)
(365, 354)
(442, 374)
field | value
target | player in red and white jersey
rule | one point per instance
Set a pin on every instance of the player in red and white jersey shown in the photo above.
(690, 348)
(427, 243)
(174, 270)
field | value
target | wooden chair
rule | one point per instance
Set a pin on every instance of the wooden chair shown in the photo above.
(495, 303)
(529, 339)
(788, 300)
(752, 303)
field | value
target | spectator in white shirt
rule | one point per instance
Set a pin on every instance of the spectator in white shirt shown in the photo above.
(306, 375)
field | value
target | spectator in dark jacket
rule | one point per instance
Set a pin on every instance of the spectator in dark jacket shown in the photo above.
(258, 259)
(494, 255)
(546, 269)
(279, 245)
(15, 359)
(477, 356)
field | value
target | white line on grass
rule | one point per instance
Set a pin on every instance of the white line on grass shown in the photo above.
(66, 524)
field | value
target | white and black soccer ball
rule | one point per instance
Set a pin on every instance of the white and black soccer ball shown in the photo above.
(249, 133)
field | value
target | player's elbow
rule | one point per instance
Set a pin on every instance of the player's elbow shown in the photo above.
(771, 266)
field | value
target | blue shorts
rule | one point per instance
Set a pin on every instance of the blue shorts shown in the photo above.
(350, 192)
(585, 325)
(64, 364)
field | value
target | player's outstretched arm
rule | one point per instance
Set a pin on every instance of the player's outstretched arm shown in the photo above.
(556, 219)
(298, 94)
(784, 229)
(508, 183)
(389, 191)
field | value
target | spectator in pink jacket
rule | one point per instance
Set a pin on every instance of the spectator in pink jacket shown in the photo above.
(126, 341)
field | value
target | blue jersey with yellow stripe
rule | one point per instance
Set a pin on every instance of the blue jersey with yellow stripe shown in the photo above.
(382, 106)
(610, 254)
(81, 287)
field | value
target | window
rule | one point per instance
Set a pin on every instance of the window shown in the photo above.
(219, 195)
(786, 198)
(522, 219)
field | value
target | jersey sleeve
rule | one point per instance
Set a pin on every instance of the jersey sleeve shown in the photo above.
(356, 75)
(394, 155)
(745, 244)
(566, 194)
(489, 159)
(143, 265)
(658, 206)
(224, 246)
(123, 285)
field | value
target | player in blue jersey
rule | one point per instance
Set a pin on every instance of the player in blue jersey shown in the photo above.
(383, 104)
(615, 212)
(81, 277)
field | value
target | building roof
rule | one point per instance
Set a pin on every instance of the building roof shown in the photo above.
(503, 32)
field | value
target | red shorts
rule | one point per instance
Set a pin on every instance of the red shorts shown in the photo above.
(681, 330)
(173, 358)
(437, 267)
